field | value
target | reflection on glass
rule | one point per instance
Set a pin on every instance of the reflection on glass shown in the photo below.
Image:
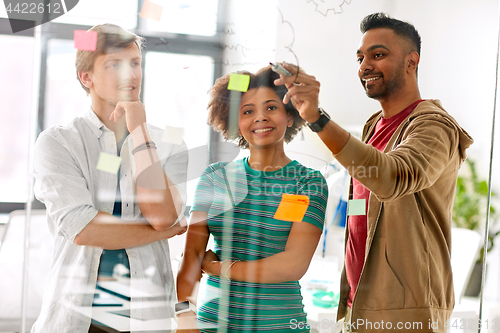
(15, 114)
(195, 17)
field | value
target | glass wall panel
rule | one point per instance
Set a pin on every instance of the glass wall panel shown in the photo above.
(322, 37)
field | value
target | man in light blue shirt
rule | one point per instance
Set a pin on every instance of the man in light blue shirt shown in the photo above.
(91, 208)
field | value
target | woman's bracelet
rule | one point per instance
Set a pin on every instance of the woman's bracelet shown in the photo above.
(146, 145)
(220, 265)
(227, 271)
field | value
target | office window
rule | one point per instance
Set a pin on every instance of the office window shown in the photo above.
(176, 94)
(65, 99)
(195, 17)
(15, 105)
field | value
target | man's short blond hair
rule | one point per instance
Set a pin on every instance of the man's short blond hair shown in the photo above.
(110, 38)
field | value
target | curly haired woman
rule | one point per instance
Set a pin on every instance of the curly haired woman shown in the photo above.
(258, 257)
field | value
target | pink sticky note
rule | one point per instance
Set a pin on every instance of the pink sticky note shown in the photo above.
(85, 40)
(151, 10)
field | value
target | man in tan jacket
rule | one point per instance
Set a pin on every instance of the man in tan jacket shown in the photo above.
(397, 274)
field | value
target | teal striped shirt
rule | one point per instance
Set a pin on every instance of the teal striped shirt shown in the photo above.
(241, 203)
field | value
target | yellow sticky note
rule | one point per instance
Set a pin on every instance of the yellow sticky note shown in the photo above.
(238, 82)
(109, 163)
(151, 10)
(173, 135)
(356, 207)
(292, 207)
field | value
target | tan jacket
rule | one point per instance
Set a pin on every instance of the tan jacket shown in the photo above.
(406, 280)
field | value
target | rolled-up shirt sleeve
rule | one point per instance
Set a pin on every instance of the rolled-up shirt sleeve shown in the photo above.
(60, 184)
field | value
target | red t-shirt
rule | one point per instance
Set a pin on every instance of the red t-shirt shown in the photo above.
(356, 243)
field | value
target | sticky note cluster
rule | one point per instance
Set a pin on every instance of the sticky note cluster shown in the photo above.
(292, 207)
(85, 40)
(238, 82)
(151, 10)
(109, 163)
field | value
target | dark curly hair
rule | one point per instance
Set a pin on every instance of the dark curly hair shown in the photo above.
(219, 105)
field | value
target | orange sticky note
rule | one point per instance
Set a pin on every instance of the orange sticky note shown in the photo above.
(85, 40)
(292, 207)
(151, 10)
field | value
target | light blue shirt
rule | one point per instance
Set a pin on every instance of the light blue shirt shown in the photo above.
(73, 190)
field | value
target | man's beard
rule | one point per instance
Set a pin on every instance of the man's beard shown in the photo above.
(388, 88)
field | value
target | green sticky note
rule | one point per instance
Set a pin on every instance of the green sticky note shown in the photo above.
(238, 82)
(109, 163)
(173, 135)
(356, 207)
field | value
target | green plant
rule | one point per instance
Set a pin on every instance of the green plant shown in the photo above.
(470, 201)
